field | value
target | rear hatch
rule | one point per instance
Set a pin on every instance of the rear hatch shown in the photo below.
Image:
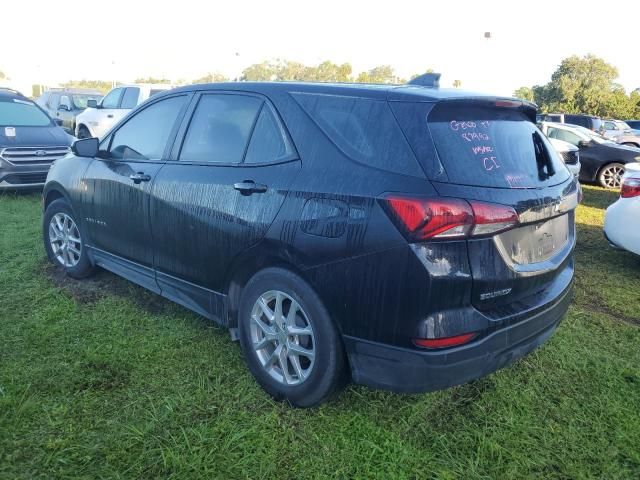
(490, 150)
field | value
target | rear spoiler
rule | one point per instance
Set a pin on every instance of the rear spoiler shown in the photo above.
(530, 109)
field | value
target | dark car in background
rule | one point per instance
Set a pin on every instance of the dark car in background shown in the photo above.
(30, 141)
(635, 124)
(411, 237)
(603, 161)
(66, 104)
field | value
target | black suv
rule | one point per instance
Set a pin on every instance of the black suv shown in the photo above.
(67, 103)
(29, 142)
(411, 237)
(591, 122)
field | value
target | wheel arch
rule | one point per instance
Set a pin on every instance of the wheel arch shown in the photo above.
(250, 262)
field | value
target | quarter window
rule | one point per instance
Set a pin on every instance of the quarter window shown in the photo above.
(144, 136)
(268, 142)
(220, 129)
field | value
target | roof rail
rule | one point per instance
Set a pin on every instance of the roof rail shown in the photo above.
(13, 90)
(426, 80)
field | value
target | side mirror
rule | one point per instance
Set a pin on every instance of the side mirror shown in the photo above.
(86, 147)
(64, 107)
(57, 121)
(583, 143)
(92, 103)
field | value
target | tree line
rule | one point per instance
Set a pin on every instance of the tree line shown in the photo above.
(584, 85)
(276, 70)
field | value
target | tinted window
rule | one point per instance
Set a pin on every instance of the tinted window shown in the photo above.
(268, 142)
(220, 128)
(130, 98)
(609, 126)
(364, 129)
(576, 120)
(144, 136)
(112, 99)
(21, 113)
(493, 147)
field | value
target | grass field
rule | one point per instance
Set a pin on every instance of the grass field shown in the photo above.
(100, 379)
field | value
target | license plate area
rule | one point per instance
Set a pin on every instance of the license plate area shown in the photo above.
(534, 243)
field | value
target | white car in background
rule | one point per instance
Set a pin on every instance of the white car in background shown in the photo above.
(98, 118)
(622, 219)
(569, 153)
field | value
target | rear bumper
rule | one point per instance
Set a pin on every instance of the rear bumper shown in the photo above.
(411, 371)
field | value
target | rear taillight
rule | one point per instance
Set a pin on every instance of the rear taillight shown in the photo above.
(445, 341)
(448, 218)
(630, 188)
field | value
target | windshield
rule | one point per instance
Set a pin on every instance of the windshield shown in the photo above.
(22, 113)
(623, 125)
(80, 100)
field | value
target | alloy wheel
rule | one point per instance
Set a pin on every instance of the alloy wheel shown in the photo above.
(282, 337)
(64, 238)
(612, 176)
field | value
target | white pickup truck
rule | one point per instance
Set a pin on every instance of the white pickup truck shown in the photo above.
(98, 118)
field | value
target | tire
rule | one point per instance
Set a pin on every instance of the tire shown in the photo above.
(308, 381)
(610, 176)
(59, 222)
(83, 132)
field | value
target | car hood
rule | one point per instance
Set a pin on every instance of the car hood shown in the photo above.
(35, 137)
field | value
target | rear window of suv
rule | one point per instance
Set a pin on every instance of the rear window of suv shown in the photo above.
(487, 146)
(364, 129)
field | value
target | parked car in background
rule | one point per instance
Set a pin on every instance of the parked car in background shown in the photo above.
(66, 104)
(414, 237)
(622, 218)
(635, 124)
(621, 132)
(601, 160)
(591, 122)
(98, 118)
(29, 142)
(570, 155)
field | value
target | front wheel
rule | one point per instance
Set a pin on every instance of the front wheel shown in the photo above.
(290, 344)
(610, 176)
(63, 240)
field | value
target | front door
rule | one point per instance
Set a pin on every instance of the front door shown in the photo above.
(117, 187)
(219, 195)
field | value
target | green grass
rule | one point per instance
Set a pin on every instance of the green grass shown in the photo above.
(100, 379)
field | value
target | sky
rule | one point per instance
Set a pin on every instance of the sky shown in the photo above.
(54, 41)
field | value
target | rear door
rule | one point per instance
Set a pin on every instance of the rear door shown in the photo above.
(229, 174)
(117, 187)
(493, 152)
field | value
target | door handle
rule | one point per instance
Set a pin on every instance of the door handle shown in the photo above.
(249, 186)
(139, 177)
(110, 116)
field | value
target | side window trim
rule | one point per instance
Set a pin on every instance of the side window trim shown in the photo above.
(188, 116)
(170, 139)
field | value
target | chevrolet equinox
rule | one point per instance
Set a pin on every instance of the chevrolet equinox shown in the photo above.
(405, 237)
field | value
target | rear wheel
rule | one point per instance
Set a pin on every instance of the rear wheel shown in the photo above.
(289, 341)
(63, 240)
(83, 132)
(610, 176)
